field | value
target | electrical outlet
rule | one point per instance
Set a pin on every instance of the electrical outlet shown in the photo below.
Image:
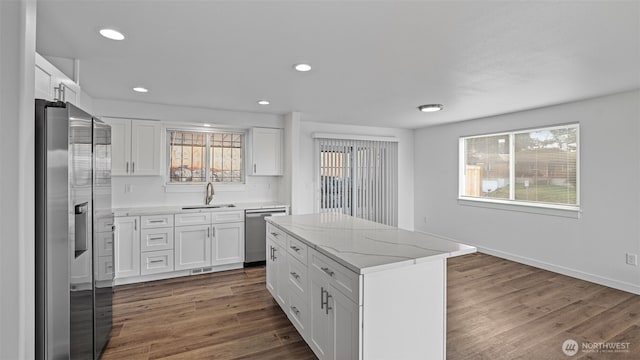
(128, 188)
(632, 259)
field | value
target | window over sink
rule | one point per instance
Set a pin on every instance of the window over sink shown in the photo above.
(196, 157)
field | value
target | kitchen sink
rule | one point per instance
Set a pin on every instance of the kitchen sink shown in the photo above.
(208, 206)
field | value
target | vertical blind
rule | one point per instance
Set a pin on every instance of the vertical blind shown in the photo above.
(359, 178)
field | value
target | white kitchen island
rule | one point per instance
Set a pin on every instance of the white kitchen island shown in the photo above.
(356, 289)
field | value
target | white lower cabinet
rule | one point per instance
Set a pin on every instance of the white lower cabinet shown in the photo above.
(334, 320)
(153, 247)
(228, 243)
(192, 246)
(154, 262)
(277, 272)
(127, 246)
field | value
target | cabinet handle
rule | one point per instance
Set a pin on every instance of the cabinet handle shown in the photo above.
(275, 234)
(155, 221)
(295, 248)
(127, 167)
(326, 270)
(321, 297)
(133, 167)
(254, 168)
(208, 232)
(155, 261)
(295, 310)
(327, 308)
(135, 224)
(109, 242)
(274, 254)
(156, 238)
(295, 275)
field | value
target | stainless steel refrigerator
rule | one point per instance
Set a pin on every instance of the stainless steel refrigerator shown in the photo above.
(74, 233)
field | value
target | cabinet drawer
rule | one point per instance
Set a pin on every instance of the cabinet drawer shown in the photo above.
(297, 248)
(343, 279)
(156, 262)
(298, 314)
(276, 234)
(105, 268)
(105, 224)
(227, 216)
(104, 242)
(156, 239)
(297, 276)
(156, 221)
(198, 218)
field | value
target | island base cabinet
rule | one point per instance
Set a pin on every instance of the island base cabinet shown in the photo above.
(277, 274)
(333, 333)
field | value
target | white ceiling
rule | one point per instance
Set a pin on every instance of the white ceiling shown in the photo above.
(373, 62)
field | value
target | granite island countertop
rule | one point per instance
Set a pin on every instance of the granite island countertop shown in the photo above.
(364, 246)
(174, 209)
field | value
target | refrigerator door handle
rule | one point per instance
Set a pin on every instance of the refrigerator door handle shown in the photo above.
(81, 228)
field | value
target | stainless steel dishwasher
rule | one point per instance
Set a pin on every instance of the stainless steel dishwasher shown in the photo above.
(255, 234)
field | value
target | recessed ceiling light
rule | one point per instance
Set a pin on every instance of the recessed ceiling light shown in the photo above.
(302, 67)
(140, 89)
(263, 102)
(430, 107)
(206, 125)
(112, 34)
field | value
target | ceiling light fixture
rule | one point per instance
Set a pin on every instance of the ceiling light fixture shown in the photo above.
(140, 89)
(206, 125)
(302, 67)
(263, 102)
(112, 34)
(431, 107)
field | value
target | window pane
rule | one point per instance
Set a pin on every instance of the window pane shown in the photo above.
(226, 157)
(487, 167)
(189, 156)
(545, 166)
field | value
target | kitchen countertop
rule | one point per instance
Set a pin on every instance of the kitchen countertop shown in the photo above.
(172, 209)
(364, 246)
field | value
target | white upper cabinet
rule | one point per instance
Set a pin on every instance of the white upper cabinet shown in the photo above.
(265, 151)
(52, 84)
(136, 147)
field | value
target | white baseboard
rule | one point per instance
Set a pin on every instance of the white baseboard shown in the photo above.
(616, 284)
(612, 283)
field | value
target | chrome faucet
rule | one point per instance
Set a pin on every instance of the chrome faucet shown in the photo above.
(210, 194)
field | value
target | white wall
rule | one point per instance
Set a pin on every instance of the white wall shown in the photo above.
(17, 137)
(592, 247)
(150, 190)
(304, 180)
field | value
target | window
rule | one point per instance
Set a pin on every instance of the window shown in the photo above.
(359, 178)
(531, 167)
(199, 156)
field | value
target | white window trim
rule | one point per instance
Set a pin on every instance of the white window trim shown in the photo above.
(571, 211)
(170, 187)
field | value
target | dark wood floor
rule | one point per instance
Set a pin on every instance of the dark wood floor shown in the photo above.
(497, 309)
